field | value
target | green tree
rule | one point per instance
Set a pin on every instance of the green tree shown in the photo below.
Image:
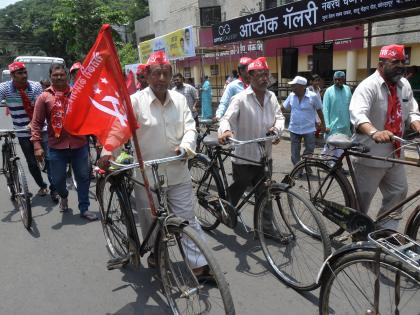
(128, 54)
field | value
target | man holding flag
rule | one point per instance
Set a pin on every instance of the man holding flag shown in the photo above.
(63, 147)
(165, 119)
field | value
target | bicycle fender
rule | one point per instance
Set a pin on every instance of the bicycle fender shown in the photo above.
(283, 186)
(177, 221)
(412, 220)
(354, 247)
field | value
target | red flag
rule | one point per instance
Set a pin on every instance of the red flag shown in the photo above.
(99, 103)
(130, 82)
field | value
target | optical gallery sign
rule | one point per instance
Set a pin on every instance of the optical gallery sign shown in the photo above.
(303, 15)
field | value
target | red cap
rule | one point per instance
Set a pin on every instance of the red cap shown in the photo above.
(17, 65)
(157, 58)
(245, 61)
(392, 52)
(75, 66)
(258, 64)
(141, 68)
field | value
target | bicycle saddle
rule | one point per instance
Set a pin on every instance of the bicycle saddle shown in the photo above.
(211, 141)
(340, 141)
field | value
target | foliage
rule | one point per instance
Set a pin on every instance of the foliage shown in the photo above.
(64, 28)
(128, 54)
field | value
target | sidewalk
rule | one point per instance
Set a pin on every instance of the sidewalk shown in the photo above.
(410, 155)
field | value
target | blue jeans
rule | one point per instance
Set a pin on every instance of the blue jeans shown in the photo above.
(59, 158)
(295, 139)
(28, 151)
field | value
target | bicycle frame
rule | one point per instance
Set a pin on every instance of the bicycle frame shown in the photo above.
(162, 215)
(220, 155)
(352, 152)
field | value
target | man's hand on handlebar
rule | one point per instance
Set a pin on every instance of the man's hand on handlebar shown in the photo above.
(103, 162)
(179, 150)
(274, 132)
(223, 138)
(383, 136)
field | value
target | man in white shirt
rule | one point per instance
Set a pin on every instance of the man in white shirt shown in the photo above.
(380, 107)
(251, 114)
(166, 125)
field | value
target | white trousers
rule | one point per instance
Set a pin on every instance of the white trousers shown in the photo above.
(180, 202)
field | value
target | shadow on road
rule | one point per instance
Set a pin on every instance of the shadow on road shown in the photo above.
(146, 284)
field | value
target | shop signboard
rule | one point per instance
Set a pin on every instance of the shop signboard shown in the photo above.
(306, 15)
(177, 45)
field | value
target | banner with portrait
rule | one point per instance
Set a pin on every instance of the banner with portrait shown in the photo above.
(177, 45)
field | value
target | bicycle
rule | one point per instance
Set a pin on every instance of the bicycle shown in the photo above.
(184, 292)
(380, 276)
(15, 176)
(321, 178)
(194, 165)
(294, 256)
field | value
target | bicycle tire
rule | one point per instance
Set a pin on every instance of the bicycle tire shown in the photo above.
(6, 170)
(23, 201)
(295, 257)
(348, 285)
(184, 293)
(210, 187)
(412, 228)
(197, 167)
(337, 189)
(113, 218)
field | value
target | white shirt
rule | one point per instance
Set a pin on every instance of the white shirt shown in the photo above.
(162, 129)
(370, 104)
(247, 119)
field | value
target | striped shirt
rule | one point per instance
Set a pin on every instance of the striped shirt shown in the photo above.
(14, 102)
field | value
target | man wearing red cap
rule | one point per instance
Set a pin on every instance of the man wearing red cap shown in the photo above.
(20, 95)
(141, 77)
(234, 87)
(166, 125)
(379, 109)
(251, 114)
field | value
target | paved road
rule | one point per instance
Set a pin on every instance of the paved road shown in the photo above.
(59, 267)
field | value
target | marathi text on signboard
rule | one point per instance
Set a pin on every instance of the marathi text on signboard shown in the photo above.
(303, 15)
(178, 44)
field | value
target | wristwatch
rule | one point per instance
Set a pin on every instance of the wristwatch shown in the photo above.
(372, 132)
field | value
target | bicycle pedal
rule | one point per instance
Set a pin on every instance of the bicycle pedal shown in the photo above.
(117, 263)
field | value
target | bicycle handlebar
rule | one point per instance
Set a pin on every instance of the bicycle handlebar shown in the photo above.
(263, 139)
(6, 131)
(178, 157)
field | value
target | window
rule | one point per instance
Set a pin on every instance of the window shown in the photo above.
(214, 69)
(187, 72)
(269, 4)
(210, 16)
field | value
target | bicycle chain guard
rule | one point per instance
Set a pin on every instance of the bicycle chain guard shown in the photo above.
(355, 222)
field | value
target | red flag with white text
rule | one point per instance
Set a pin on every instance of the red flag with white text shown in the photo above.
(99, 103)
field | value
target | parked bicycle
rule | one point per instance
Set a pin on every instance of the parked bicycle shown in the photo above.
(381, 276)
(294, 256)
(321, 179)
(186, 293)
(15, 176)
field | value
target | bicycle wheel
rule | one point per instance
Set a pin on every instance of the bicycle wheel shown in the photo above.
(113, 214)
(185, 293)
(412, 228)
(197, 167)
(348, 286)
(209, 193)
(21, 193)
(308, 177)
(6, 170)
(294, 256)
